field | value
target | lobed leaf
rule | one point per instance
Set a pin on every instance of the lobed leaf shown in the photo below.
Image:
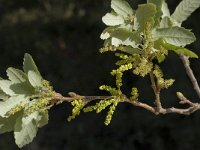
(175, 35)
(7, 105)
(144, 14)
(121, 7)
(29, 64)
(159, 13)
(180, 50)
(185, 9)
(16, 75)
(34, 79)
(7, 124)
(125, 37)
(111, 19)
(5, 86)
(165, 9)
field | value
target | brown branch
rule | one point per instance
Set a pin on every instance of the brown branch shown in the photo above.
(187, 111)
(190, 74)
(156, 90)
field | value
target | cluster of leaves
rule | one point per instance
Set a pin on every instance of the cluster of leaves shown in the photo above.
(24, 102)
(138, 37)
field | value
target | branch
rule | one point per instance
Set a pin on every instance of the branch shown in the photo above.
(156, 92)
(190, 74)
(187, 111)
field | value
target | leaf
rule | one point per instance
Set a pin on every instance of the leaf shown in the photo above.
(165, 9)
(106, 33)
(166, 22)
(180, 50)
(43, 120)
(34, 79)
(121, 7)
(7, 105)
(185, 9)
(5, 86)
(3, 96)
(175, 35)
(125, 37)
(16, 76)
(29, 64)
(144, 14)
(7, 124)
(23, 88)
(111, 19)
(159, 13)
(25, 129)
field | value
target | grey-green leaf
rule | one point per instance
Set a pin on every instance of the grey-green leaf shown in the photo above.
(7, 124)
(106, 33)
(166, 22)
(125, 37)
(35, 79)
(5, 86)
(159, 12)
(3, 96)
(16, 75)
(180, 50)
(7, 105)
(185, 9)
(29, 64)
(175, 35)
(43, 120)
(145, 14)
(121, 7)
(25, 129)
(165, 9)
(111, 19)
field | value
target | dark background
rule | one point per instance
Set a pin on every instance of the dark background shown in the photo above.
(63, 38)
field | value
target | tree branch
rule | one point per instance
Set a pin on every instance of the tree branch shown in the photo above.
(156, 92)
(190, 74)
(187, 111)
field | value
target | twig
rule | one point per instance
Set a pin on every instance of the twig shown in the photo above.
(156, 92)
(190, 74)
(187, 111)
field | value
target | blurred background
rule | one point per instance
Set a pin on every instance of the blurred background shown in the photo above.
(63, 38)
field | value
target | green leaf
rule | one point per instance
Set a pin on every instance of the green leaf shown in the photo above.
(111, 19)
(159, 13)
(185, 9)
(23, 88)
(25, 129)
(16, 76)
(3, 96)
(7, 124)
(125, 37)
(180, 50)
(35, 79)
(175, 35)
(121, 7)
(43, 119)
(166, 22)
(7, 105)
(5, 86)
(106, 33)
(144, 14)
(29, 64)
(165, 9)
